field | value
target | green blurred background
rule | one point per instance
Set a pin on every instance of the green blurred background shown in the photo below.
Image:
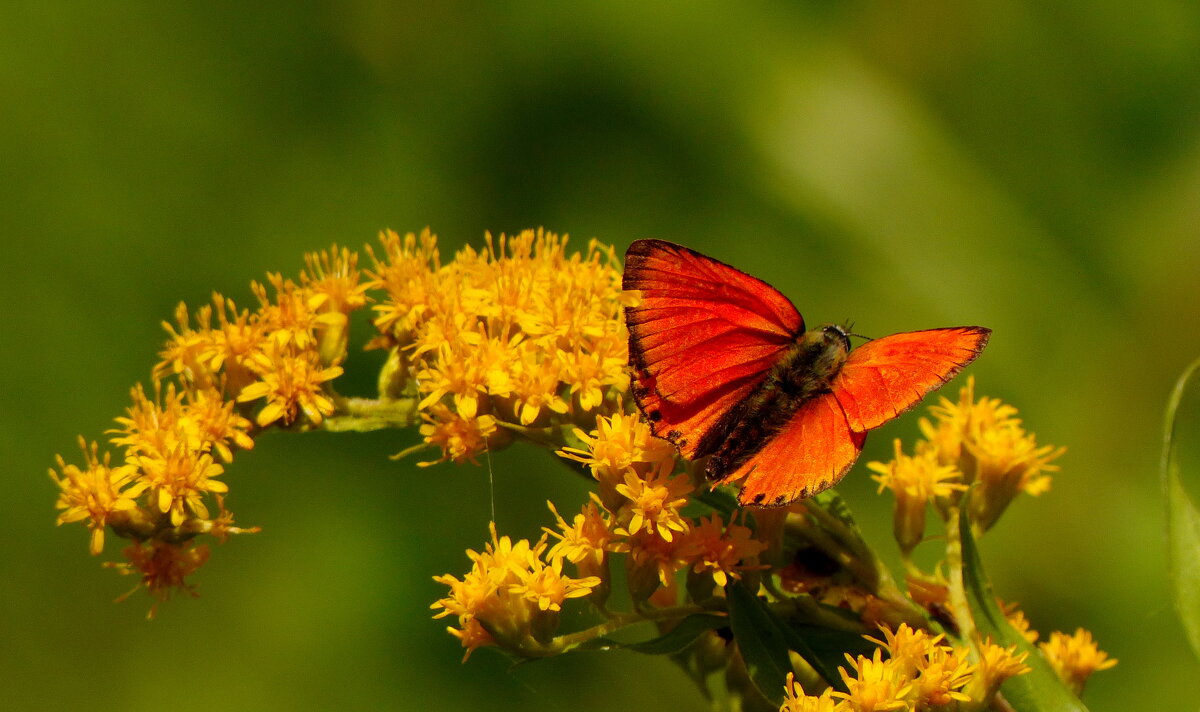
(1033, 167)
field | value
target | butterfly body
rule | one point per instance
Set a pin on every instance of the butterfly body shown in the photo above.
(723, 367)
(804, 370)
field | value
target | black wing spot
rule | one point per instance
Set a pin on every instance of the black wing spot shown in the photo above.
(654, 415)
(780, 500)
(758, 498)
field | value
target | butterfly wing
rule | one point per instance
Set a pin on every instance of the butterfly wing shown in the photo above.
(704, 335)
(885, 377)
(811, 453)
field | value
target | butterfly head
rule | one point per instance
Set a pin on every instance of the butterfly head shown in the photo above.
(837, 336)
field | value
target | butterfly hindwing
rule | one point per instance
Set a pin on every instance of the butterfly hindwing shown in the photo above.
(703, 337)
(809, 454)
(885, 377)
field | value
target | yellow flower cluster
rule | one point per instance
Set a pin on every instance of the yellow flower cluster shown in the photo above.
(511, 596)
(637, 514)
(517, 338)
(643, 500)
(920, 672)
(971, 442)
(175, 444)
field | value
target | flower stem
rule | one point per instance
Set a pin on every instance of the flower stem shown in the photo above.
(366, 414)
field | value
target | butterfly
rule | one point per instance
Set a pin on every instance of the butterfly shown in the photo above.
(723, 368)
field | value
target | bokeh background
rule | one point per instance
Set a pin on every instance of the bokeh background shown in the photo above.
(1033, 167)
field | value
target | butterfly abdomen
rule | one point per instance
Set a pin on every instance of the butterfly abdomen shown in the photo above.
(806, 369)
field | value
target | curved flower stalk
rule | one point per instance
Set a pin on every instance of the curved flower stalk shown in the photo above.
(525, 341)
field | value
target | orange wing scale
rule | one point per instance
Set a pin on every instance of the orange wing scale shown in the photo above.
(811, 453)
(885, 377)
(704, 335)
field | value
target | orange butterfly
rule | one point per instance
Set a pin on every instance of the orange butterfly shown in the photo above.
(724, 368)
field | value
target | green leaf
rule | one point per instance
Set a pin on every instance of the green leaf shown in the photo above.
(765, 639)
(825, 649)
(719, 501)
(832, 502)
(1039, 690)
(1183, 524)
(681, 636)
(762, 639)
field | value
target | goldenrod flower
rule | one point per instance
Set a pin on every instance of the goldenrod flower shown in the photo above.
(96, 492)
(520, 333)
(928, 592)
(941, 677)
(295, 315)
(652, 562)
(1075, 657)
(510, 596)
(874, 684)
(163, 567)
(233, 344)
(151, 428)
(586, 541)
(713, 548)
(291, 382)
(987, 443)
(537, 386)
(179, 479)
(407, 271)
(907, 647)
(795, 699)
(217, 424)
(996, 664)
(1016, 617)
(333, 274)
(546, 586)
(654, 502)
(200, 420)
(188, 353)
(619, 442)
(208, 357)
(460, 438)
(915, 481)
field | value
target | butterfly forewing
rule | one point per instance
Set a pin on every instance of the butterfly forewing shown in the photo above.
(885, 377)
(811, 453)
(704, 335)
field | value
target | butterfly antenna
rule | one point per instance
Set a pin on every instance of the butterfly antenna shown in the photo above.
(849, 329)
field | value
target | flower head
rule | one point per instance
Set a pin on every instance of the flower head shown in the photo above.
(1075, 657)
(712, 548)
(98, 492)
(874, 684)
(511, 595)
(987, 443)
(654, 502)
(795, 699)
(179, 479)
(915, 481)
(996, 664)
(163, 567)
(292, 382)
